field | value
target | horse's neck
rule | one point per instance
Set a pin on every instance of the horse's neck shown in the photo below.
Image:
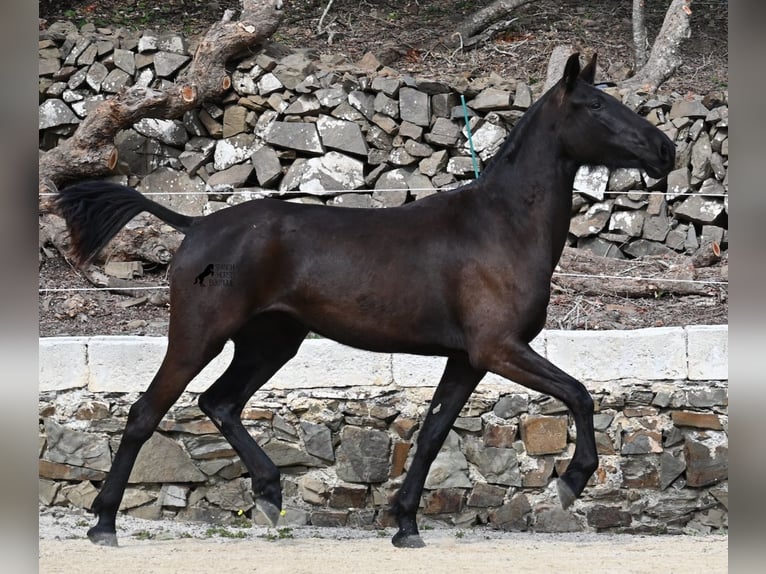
(532, 191)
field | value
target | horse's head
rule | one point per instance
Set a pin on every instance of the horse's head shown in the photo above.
(597, 129)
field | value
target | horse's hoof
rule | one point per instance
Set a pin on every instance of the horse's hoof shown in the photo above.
(407, 541)
(566, 496)
(269, 511)
(102, 537)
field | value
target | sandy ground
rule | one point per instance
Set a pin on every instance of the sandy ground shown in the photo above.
(165, 547)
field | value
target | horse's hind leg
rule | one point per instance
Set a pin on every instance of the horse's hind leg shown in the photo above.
(183, 360)
(457, 383)
(261, 348)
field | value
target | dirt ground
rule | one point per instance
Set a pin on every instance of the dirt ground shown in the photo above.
(164, 547)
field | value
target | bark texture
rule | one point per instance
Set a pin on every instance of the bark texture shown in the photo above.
(91, 152)
(665, 56)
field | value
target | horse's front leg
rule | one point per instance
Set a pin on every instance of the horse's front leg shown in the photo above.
(457, 383)
(518, 362)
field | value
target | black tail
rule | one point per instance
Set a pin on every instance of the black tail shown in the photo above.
(96, 210)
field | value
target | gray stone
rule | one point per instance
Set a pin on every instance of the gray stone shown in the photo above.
(707, 458)
(460, 165)
(450, 468)
(363, 455)
(513, 515)
(172, 43)
(317, 439)
(80, 495)
(386, 106)
(602, 517)
(487, 139)
(170, 132)
(234, 495)
(678, 183)
(116, 81)
(305, 104)
(124, 60)
(363, 200)
(384, 122)
(592, 222)
(363, 102)
(510, 406)
(342, 135)
(630, 223)
(168, 63)
(491, 99)
(232, 177)
(163, 460)
(234, 120)
(268, 168)
(283, 453)
(496, 465)
(418, 149)
(414, 106)
(208, 446)
(672, 464)
(178, 190)
(523, 98)
(296, 136)
(233, 150)
(430, 166)
(623, 179)
(591, 181)
(601, 247)
(443, 133)
(324, 175)
(76, 448)
(556, 519)
(96, 75)
(442, 104)
(269, 84)
(81, 44)
(484, 495)
(700, 160)
(699, 209)
(344, 111)
(389, 86)
(335, 96)
(686, 108)
(400, 157)
(173, 495)
(54, 113)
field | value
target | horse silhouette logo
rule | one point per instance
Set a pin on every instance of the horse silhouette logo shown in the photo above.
(209, 270)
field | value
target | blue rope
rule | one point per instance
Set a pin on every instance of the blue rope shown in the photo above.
(470, 137)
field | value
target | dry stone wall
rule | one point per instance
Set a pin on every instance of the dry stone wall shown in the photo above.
(323, 130)
(340, 424)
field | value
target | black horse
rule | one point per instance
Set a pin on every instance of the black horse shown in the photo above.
(465, 274)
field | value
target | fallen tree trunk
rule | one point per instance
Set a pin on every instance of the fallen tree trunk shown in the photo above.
(91, 151)
(589, 274)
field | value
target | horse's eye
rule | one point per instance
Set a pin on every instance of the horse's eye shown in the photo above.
(595, 105)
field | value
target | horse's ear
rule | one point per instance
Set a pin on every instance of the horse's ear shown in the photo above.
(571, 72)
(588, 73)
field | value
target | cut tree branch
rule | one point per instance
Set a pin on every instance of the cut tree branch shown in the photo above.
(483, 24)
(91, 151)
(589, 274)
(639, 34)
